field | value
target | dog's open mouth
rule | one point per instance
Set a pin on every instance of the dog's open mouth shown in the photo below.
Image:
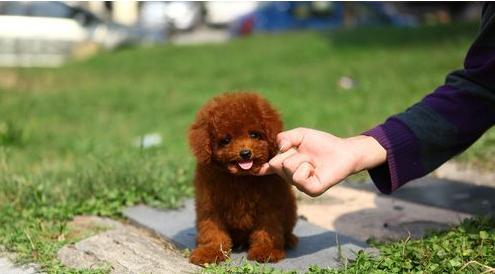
(246, 165)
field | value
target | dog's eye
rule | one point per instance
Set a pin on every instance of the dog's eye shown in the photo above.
(255, 135)
(225, 141)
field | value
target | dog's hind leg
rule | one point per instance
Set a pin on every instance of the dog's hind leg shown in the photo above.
(267, 244)
(291, 240)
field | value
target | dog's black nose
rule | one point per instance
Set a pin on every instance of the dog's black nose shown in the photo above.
(245, 154)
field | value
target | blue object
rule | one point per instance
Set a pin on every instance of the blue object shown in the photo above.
(284, 16)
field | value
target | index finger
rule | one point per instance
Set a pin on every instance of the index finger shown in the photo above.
(290, 138)
(275, 164)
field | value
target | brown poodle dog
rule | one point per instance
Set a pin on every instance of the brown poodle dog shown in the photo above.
(233, 135)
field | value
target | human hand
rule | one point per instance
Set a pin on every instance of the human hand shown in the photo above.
(314, 160)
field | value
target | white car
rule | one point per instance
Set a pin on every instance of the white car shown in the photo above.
(31, 41)
(48, 33)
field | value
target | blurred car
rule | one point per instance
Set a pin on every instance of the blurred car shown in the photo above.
(222, 13)
(283, 16)
(47, 33)
(182, 15)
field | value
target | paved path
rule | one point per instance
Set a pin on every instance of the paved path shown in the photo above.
(364, 214)
(203, 35)
(452, 170)
(455, 195)
(332, 227)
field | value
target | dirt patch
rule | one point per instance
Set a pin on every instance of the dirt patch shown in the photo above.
(465, 173)
(9, 79)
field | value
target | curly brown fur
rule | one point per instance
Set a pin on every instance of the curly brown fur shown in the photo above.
(234, 207)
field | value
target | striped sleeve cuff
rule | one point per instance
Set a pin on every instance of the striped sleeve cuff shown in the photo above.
(403, 155)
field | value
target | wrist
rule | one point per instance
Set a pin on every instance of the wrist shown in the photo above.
(367, 151)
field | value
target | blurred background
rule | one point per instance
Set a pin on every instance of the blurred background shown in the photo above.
(48, 33)
(96, 98)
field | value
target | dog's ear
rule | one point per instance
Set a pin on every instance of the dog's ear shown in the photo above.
(272, 124)
(200, 140)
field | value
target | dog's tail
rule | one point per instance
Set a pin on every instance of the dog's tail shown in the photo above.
(291, 240)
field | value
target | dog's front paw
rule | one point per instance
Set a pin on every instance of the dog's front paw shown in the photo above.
(264, 254)
(208, 254)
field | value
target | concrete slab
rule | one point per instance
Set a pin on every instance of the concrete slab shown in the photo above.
(364, 214)
(316, 245)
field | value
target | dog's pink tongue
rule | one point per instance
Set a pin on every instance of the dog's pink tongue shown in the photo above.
(246, 165)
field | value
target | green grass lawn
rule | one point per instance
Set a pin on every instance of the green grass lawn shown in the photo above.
(67, 135)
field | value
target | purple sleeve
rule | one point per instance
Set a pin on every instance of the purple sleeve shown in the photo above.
(403, 163)
(445, 122)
